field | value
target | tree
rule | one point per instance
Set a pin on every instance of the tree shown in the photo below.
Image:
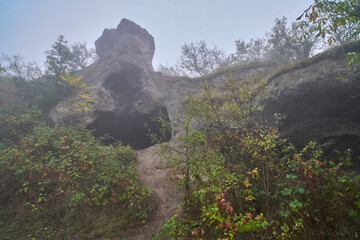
(197, 59)
(2, 69)
(31, 88)
(283, 43)
(82, 56)
(333, 20)
(15, 66)
(279, 42)
(183, 153)
(254, 51)
(63, 58)
(303, 47)
(343, 35)
(59, 58)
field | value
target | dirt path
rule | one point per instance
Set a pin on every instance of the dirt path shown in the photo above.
(167, 199)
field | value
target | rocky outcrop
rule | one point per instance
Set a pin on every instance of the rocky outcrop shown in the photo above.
(128, 41)
(317, 98)
(128, 92)
(121, 81)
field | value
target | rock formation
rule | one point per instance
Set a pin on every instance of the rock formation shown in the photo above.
(128, 40)
(318, 98)
(121, 82)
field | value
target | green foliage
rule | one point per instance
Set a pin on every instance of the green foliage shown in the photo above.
(172, 227)
(18, 121)
(63, 58)
(352, 58)
(220, 215)
(2, 69)
(15, 66)
(197, 59)
(183, 154)
(59, 58)
(285, 44)
(82, 56)
(231, 107)
(42, 93)
(253, 51)
(251, 183)
(335, 20)
(291, 200)
(211, 213)
(294, 189)
(74, 81)
(61, 183)
(87, 101)
(280, 45)
(25, 104)
(36, 89)
(46, 93)
(66, 179)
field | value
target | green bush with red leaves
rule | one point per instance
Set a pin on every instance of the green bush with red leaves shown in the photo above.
(250, 183)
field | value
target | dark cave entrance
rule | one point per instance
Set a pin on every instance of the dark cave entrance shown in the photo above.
(124, 85)
(129, 128)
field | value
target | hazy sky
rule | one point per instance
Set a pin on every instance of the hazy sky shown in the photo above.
(30, 27)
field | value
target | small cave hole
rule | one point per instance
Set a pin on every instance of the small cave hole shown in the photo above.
(124, 85)
(129, 128)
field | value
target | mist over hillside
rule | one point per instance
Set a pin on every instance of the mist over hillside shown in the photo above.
(259, 143)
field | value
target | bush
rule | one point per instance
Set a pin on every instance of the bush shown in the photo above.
(253, 184)
(303, 194)
(250, 183)
(17, 121)
(64, 179)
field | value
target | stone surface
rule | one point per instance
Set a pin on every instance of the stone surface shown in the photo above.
(317, 98)
(128, 39)
(121, 81)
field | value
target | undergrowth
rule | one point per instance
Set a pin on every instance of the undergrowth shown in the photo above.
(241, 180)
(61, 183)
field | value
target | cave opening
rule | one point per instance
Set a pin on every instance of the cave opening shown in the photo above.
(125, 84)
(130, 128)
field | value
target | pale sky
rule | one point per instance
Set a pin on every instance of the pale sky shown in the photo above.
(30, 27)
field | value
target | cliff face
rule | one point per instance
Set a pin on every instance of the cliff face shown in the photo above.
(318, 98)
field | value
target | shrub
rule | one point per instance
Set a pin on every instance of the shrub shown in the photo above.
(250, 183)
(17, 121)
(75, 185)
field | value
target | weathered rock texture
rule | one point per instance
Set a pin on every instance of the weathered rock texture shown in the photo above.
(121, 81)
(127, 40)
(318, 98)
